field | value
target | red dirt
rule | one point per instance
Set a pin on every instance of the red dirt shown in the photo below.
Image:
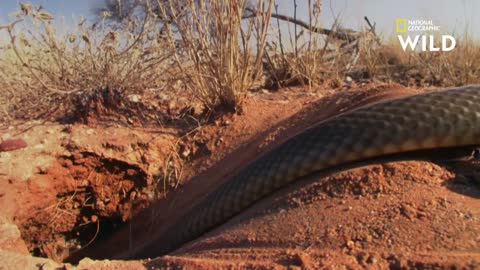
(401, 214)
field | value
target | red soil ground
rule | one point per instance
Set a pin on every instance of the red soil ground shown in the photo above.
(74, 186)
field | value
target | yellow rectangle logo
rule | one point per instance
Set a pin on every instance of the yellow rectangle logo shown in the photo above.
(401, 25)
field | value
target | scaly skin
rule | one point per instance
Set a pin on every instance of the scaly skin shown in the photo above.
(440, 119)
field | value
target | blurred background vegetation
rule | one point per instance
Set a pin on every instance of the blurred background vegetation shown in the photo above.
(210, 53)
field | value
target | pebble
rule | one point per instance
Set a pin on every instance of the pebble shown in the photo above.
(134, 98)
(12, 144)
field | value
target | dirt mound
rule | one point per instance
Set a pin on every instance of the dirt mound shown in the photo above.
(403, 214)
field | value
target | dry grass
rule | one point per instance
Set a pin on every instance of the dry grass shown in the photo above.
(214, 48)
(295, 57)
(43, 67)
(219, 53)
(304, 57)
(390, 63)
(455, 68)
(299, 55)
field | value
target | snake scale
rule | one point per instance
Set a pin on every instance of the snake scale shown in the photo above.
(444, 119)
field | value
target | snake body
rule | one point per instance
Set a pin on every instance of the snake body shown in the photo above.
(439, 119)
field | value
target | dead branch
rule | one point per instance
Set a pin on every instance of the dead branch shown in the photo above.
(372, 30)
(347, 35)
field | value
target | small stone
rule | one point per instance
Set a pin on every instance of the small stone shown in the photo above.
(186, 152)
(226, 122)
(134, 98)
(12, 144)
(350, 244)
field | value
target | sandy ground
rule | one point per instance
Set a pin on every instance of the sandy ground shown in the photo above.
(74, 186)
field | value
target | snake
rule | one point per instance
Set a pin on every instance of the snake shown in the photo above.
(432, 121)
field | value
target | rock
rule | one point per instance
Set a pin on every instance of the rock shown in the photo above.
(350, 244)
(12, 144)
(134, 98)
(186, 152)
(226, 122)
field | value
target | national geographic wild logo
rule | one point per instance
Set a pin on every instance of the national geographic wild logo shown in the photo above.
(418, 35)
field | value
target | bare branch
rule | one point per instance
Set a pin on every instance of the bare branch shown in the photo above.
(347, 35)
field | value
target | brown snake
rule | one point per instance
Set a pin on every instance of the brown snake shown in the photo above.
(439, 120)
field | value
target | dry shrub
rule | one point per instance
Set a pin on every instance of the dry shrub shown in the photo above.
(43, 67)
(219, 53)
(304, 55)
(455, 68)
(390, 62)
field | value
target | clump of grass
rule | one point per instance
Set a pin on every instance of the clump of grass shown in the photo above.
(391, 63)
(43, 67)
(455, 68)
(219, 53)
(302, 52)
